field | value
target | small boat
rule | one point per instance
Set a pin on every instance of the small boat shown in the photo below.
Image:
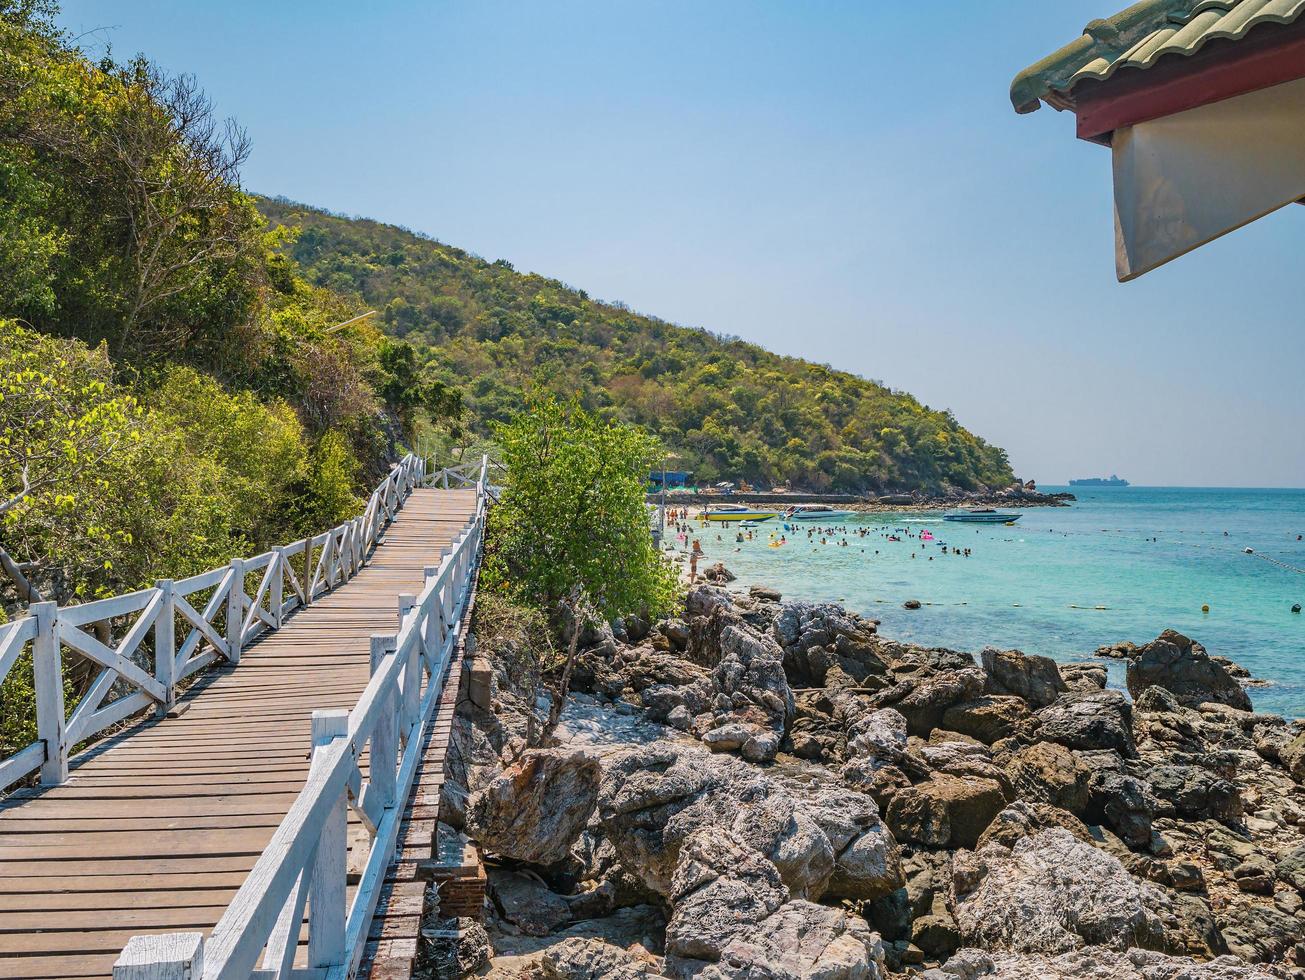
(983, 516)
(817, 512)
(737, 512)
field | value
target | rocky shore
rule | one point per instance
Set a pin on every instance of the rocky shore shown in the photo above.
(769, 789)
(1016, 495)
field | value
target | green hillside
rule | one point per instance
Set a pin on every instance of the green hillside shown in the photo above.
(728, 408)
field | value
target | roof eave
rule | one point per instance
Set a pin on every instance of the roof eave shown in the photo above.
(1048, 80)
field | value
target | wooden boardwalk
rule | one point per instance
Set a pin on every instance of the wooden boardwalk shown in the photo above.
(158, 826)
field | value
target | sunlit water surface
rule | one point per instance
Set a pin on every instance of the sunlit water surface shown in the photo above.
(1119, 564)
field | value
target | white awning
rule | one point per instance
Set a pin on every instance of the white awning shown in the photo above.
(1186, 179)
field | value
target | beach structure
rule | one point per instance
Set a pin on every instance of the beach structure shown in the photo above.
(1202, 104)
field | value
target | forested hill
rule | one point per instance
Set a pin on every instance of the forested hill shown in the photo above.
(728, 408)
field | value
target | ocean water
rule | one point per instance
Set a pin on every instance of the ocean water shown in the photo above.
(1119, 564)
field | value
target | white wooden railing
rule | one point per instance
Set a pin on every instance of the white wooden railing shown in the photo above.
(469, 473)
(218, 615)
(302, 872)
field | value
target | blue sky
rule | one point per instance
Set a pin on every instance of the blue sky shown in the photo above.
(841, 181)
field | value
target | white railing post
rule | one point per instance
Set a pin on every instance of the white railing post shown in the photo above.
(172, 956)
(236, 610)
(384, 747)
(47, 678)
(432, 637)
(275, 588)
(411, 671)
(326, 890)
(165, 645)
(309, 568)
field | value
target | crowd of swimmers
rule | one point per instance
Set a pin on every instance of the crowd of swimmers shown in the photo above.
(681, 524)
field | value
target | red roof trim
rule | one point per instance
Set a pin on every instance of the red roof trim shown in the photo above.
(1219, 71)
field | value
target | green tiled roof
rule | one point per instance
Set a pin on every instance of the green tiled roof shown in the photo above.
(1140, 36)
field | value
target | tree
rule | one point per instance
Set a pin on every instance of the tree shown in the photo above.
(571, 534)
(60, 421)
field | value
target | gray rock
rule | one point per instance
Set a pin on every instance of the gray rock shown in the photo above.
(752, 667)
(1291, 868)
(528, 903)
(1034, 678)
(1047, 772)
(1096, 720)
(1117, 799)
(730, 736)
(536, 808)
(945, 811)
(1194, 793)
(1255, 875)
(654, 798)
(1084, 676)
(1293, 757)
(761, 747)
(1257, 931)
(1092, 963)
(1053, 893)
(803, 941)
(823, 640)
(988, 718)
(1181, 666)
(721, 888)
(590, 959)
(1023, 819)
(926, 701)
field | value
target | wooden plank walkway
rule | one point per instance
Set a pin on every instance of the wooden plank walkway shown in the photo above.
(158, 826)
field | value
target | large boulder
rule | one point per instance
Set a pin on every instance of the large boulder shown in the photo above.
(924, 702)
(537, 807)
(528, 903)
(751, 673)
(1194, 793)
(1181, 666)
(1293, 757)
(1034, 678)
(1084, 676)
(803, 941)
(1117, 798)
(988, 718)
(653, 798)
(1092, 963)
(1024, 819)
(823, 641)
(1053, 893)
(721, 888)
(1047, 772)
(945, 811)
(577, 958)
(1094, 720)
(867, 862)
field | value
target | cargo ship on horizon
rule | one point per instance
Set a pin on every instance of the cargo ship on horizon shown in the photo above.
(1098, 481)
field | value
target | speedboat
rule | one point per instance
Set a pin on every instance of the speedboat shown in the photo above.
(737, 512)
(817, 512)
(983, 516)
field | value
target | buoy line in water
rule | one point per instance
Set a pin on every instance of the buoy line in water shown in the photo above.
(1275, 561)
(1156, 539)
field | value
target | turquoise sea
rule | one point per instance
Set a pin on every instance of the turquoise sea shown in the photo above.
(1118, 564)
